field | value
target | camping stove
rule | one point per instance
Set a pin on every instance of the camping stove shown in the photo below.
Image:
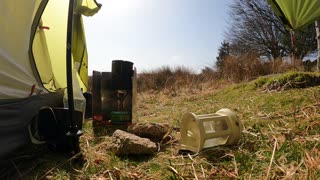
(114, 94)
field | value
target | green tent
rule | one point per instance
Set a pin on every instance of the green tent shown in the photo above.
(296, 13)
(33, 48)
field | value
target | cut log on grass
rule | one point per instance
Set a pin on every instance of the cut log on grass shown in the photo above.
(124, 143)
(154, 131)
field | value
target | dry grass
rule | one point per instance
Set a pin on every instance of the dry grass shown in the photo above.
(245, 67)
(250, 66)
(172, 79)
(280, 139)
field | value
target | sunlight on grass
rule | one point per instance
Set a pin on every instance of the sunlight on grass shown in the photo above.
(280, 139)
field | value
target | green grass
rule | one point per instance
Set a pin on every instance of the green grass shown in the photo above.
(291, 79)
(280, 126)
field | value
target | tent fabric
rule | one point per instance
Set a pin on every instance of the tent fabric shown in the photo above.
(43, 60)
(15, 117)
(33, 61)
(296, 13)
(49, 46)
(55, 42)
(79, 49)
(87, 7)
(16, 72)
(33, 53)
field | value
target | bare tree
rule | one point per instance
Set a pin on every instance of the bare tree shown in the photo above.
(223, 52)
(255, 27)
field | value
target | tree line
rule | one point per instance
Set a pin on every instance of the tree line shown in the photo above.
(255, 29)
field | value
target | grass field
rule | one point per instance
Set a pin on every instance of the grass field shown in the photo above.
(280, 138)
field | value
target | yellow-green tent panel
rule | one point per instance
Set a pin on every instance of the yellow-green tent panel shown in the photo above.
(49, 46)
(296, 13)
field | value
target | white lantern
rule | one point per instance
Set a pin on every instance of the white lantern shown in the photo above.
(208, 130)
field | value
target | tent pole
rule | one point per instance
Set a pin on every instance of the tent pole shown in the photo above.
(69, 65)
(317, 25)
(73, 132)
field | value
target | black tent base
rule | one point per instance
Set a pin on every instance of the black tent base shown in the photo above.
(16, 116)
(55, 128)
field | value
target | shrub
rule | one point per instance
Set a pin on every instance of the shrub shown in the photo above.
(244, 67)
(283, 65)
(172, 79)
(166, 78)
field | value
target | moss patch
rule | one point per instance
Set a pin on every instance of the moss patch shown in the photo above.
(288, 80)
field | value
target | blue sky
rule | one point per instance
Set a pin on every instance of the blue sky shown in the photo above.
(155, 33)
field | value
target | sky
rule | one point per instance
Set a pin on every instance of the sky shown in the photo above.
(156, 33)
